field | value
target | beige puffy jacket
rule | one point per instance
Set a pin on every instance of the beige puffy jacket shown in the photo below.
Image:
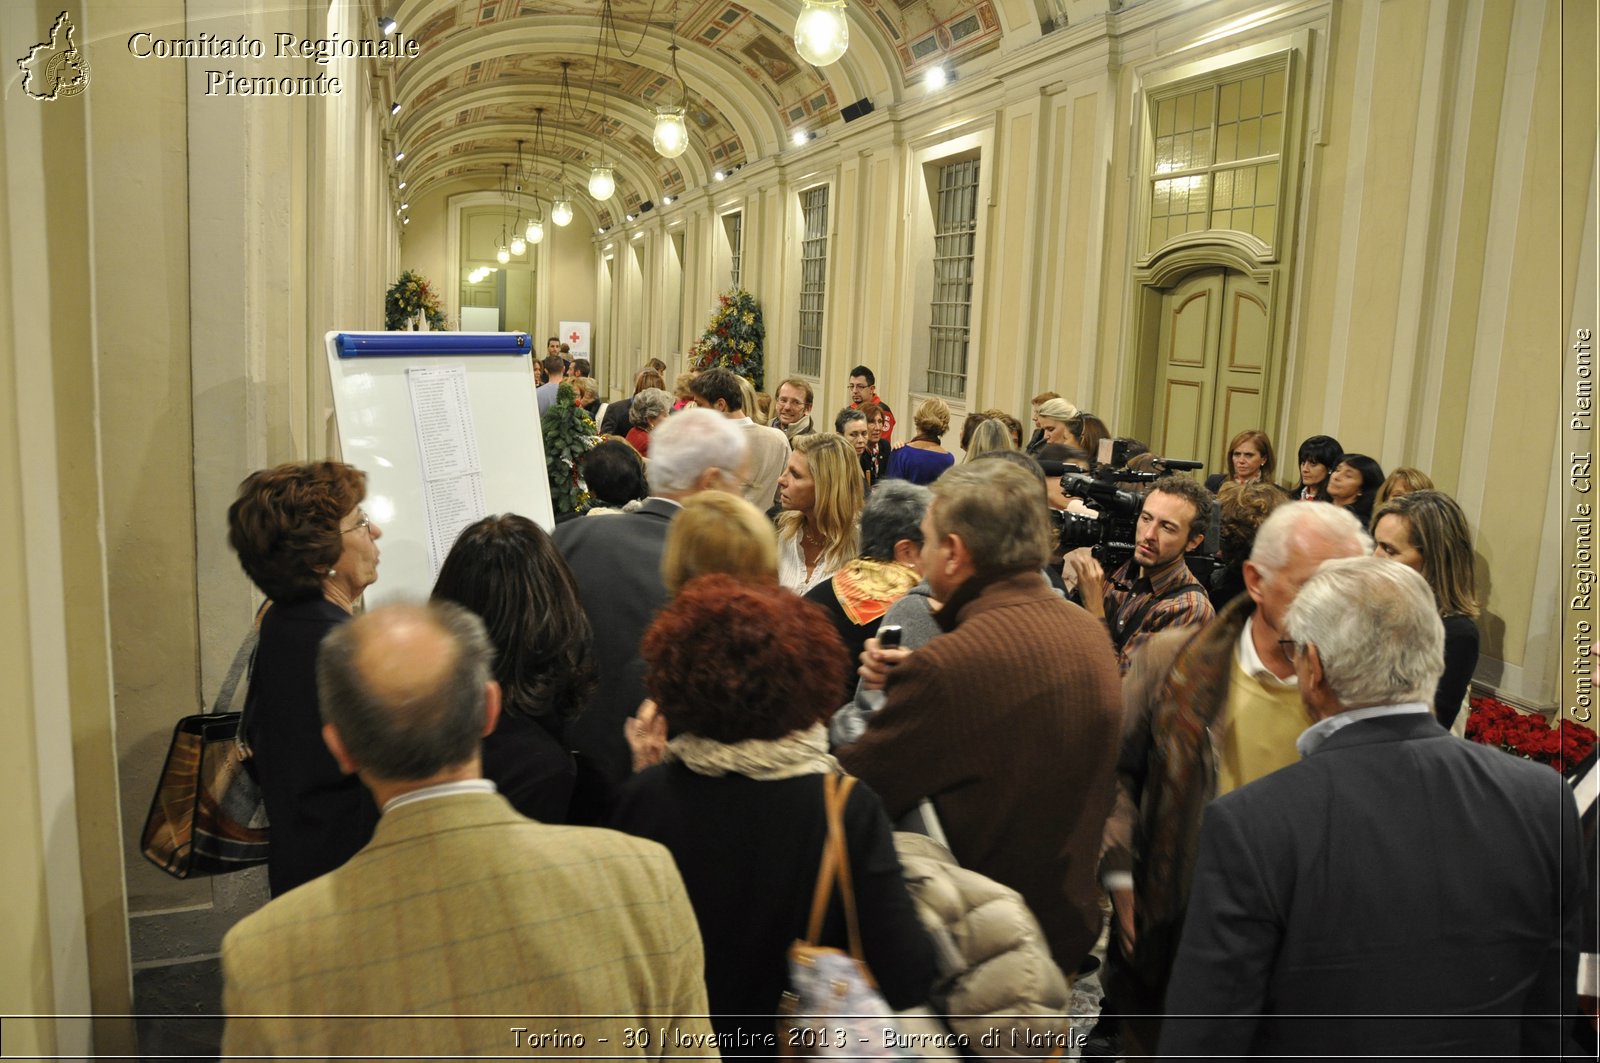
(993, 959)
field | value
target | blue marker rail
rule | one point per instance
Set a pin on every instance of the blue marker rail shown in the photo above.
(423, 344)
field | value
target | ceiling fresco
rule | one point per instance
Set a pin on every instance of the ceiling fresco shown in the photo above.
(487, 66)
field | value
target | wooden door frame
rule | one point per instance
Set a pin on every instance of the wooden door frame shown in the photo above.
(1151, 284)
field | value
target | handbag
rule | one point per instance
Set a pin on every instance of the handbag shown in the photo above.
(207, 815)
(833, 1008)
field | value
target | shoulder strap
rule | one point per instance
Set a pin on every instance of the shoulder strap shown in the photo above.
(835, 866)
(1121, 632)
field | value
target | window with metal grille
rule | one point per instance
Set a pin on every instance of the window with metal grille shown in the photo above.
(734, 226)
(813, 279)
(954, 238)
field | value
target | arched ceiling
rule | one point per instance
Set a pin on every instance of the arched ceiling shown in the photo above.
(486, 67)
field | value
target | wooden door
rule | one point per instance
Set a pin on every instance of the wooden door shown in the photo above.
(1215, 340)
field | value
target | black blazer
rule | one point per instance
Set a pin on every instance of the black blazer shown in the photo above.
(616, 560)
(320, 816)
(616, 422)
(749, 853)
(1400, 892)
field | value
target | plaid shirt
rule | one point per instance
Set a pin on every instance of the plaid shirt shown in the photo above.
(1138, 608)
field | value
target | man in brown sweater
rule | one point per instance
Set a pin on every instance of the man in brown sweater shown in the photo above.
(1009, 720)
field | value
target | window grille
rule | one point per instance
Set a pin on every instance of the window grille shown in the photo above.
(954, 239)
(813, 279)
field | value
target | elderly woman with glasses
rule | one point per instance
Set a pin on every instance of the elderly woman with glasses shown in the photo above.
(303, 540)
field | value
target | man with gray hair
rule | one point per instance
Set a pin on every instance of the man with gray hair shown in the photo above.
(1398, 892)
(616, 561)
(459, 910)
(1008, 720)
(1209, 709)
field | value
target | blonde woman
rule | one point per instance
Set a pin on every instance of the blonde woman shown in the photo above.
(719, 532)
(924, 458)
(990, 437)
(1052, 417)
(821, 492)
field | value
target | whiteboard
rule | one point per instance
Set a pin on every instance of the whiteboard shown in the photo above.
(373, 387)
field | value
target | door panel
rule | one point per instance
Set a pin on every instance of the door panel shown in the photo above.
(1215, 343)
(1190, 326)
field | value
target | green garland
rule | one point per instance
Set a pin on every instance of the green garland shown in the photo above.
(734, 339)
(408, 295)
(569, 433)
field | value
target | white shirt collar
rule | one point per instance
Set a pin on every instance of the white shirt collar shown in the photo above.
(1312, 737)
(1251, 662)
(444, 789)
(742, 419)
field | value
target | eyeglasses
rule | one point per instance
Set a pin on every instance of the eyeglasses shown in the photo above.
(364, 522)
(1290, 648)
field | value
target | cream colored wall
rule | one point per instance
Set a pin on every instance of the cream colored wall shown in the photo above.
(63, 886)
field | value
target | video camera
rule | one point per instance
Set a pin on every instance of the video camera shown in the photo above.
(1112, 535)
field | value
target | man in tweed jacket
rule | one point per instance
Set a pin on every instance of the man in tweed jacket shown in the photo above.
(461, 929)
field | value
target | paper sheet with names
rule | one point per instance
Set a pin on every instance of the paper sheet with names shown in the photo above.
(448, 451)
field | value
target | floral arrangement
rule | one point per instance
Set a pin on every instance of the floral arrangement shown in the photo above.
(569, 433)
(1494, 723)
(734, 339)
(407, 297)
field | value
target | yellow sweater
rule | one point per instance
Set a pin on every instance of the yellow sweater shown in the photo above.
(1262, 722)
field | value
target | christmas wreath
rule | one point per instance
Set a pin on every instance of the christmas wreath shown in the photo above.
(734, 339)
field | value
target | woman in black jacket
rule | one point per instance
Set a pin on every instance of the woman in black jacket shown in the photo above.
(507, 570)
(746, 675)
(303, 540)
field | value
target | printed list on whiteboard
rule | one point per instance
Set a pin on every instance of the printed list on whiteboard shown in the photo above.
(447, 448)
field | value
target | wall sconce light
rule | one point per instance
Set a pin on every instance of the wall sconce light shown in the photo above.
(387, 25)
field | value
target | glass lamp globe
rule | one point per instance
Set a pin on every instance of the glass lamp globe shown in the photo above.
(601, 183)
(561, 211)
(503, 255)
(518, 246)
(672, 136)
(535, 231)
(821, 33)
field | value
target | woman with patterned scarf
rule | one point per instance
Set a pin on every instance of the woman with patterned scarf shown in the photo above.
(745, 676)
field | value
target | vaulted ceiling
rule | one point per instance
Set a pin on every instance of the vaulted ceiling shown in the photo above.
(487, 66)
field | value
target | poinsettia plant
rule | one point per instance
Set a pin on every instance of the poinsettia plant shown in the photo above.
(1494, 723)
(408, 296)
(734, 339)
(569, 433)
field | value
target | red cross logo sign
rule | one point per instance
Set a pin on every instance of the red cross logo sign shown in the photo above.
(573, 336)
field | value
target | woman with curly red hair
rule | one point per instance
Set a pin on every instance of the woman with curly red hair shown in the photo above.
(739, 799)
(303, 540)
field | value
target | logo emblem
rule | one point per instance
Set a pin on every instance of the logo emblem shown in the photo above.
(55, 68)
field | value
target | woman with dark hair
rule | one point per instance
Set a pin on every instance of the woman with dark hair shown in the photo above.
(1354, 484)
(857, 431)
(739, 799)
(1250, 461)
(507, 570)
(303, 540)
(1085, 430)
(614, 473)
(1318, 456)
(1426, 531)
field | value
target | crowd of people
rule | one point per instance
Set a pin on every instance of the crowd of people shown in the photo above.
(1217, 708)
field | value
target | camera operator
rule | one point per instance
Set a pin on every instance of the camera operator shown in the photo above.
(1154, 590)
